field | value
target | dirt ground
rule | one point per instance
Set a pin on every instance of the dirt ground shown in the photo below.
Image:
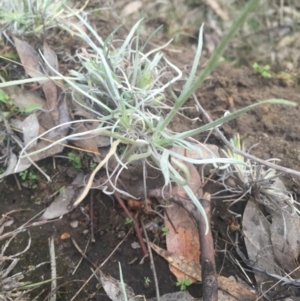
(274, 128)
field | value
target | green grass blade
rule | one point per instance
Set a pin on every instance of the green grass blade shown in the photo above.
(196, 61)
(122, 283)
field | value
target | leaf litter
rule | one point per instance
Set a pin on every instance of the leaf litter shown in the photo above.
(272, 238)
(183, 236)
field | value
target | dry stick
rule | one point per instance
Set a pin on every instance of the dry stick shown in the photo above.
(152, 265)
(244, 154)
(276, 283)
(53, 269)
(135, 223)
(83, 253)
(209, 276)
(89, 184)
(18, 183)
(79, 262)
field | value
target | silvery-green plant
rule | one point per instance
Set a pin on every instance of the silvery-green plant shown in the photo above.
(127, 90)
(31, 16)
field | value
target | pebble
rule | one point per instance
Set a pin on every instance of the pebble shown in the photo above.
(121, 234)
(74, 224)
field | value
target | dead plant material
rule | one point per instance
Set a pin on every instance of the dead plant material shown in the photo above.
(194, 270)
(183, 235)
(209, 278)
(144, 206)
(136, 225)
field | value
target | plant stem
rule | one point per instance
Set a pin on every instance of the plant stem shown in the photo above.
(211, 64)
(136, 225)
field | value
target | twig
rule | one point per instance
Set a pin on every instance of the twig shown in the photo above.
(209, 277)
(79, 250)
(83, 254)
(136, 226)
(53, 269)
(89, 184)
(152, 265)
(244, 154)
(17, 182)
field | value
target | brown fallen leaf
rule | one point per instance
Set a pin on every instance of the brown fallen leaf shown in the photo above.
(114, 289)
(193, 269)
(29, 58)
(185, 241)
(89, 144)
(24, 99)
(51, 58)
(183, 236)
(49, 87)
(50, 91)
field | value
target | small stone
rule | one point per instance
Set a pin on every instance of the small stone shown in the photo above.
(42, 185)
(135, 245)
(65, 236)
(121, 234)
(74, 224)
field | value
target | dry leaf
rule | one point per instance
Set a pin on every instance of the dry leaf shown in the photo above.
(51, 58)
(24, 99)
(256, 229)
(49, 87)
(30, 128)
(50, 91)
(53, 150)
(286, 240)
(284, 229)
(11, 166)
(131, 8)
(89, 144)
(204, 151)
(113, 288)
(61, 205)
(184, 240)
(29, 58)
